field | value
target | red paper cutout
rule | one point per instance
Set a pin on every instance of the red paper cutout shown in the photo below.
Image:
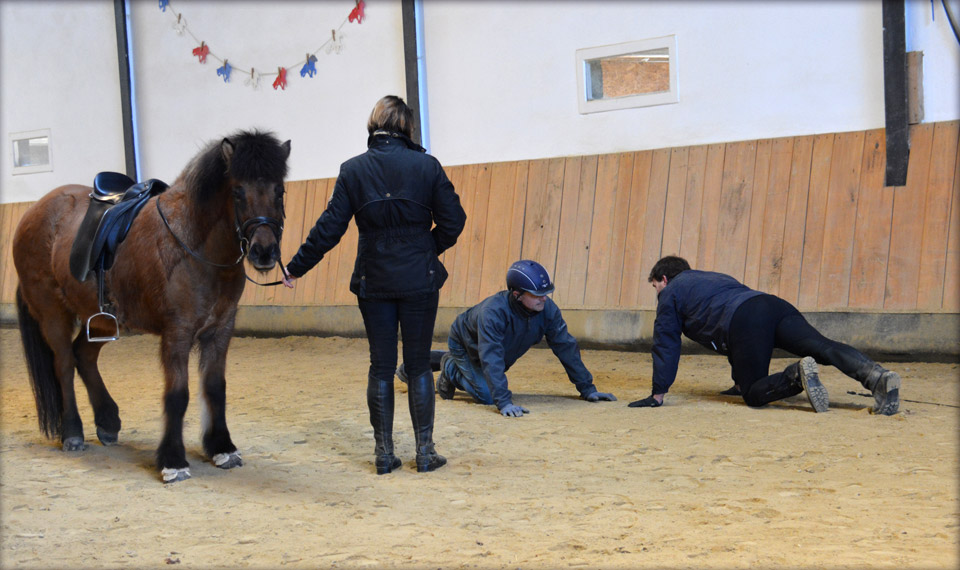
(357, 12)
(202, 52)
(281, 80)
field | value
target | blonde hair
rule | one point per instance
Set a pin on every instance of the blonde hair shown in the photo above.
(392, 114)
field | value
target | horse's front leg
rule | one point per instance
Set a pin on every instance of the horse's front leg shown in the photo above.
(213, 361)
(171, 456)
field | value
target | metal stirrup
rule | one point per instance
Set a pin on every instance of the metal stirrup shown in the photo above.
(103, 312)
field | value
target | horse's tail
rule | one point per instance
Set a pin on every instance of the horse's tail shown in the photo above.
(43, 379)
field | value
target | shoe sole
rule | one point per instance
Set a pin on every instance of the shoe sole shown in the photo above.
(887, 400)
(814, 389)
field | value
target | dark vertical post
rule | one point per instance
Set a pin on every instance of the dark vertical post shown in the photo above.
(126, 104)
(895, 92)
(410, 64)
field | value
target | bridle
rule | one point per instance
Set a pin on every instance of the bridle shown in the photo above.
(243, 229)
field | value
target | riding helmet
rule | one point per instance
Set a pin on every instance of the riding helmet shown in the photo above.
(530, 276)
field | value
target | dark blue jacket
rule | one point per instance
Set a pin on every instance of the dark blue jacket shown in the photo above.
(498, 331)
(699, 304)
(397, 193)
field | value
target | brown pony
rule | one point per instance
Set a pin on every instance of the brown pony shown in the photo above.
(178, 274)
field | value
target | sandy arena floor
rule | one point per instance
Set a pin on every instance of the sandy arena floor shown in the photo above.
(703, 482)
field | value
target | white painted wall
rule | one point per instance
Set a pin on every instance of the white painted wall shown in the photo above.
(183, 104)
(928, 30)
(501, 77)
(59, 71)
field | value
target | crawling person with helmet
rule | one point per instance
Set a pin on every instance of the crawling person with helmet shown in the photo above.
(489, 337)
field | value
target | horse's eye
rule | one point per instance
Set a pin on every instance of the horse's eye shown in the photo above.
(238, 192)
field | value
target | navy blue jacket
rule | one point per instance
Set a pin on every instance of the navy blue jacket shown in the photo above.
(699, 304)
(498, 331)
(397, 193)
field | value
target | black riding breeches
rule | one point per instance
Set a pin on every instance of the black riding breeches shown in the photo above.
(415, 317)
(766, 322)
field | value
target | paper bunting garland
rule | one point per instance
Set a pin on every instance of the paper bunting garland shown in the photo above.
(308, 67)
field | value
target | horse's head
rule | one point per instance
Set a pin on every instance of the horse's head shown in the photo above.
(256, 168)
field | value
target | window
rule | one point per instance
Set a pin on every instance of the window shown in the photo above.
(633, 74)
(31, 152)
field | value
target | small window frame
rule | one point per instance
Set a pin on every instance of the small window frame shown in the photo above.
(585, 55)
(33, 168)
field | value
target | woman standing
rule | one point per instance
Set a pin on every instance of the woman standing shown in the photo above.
(397, 193)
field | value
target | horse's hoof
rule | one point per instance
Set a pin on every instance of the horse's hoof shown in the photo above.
(107, 438)
(171, 475)
(74, 444)
(227, 460)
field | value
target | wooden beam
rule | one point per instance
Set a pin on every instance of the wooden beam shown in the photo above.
(895, 92)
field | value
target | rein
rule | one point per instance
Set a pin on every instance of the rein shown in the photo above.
(241, 238)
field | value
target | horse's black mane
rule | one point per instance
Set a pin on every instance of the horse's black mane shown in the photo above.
(256, 155)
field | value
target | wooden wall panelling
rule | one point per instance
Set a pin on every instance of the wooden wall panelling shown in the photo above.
(325, 280)
(936, 219)
(795, 219)
(330, 264)
(871, 238)
(579, 256)
(813, 232)
(344, 269)
(693, 203)
(478, 235)
(448, 257)
(840, 221)
(618, 231)
(566, 240)
(758, 205)
(951, 282)
(605, 203)
(7, 273)
(634, 277)
(515, 246)
(735, 198)
(908, 208)
(777, 192)
(457, 282)
(653, 223)
(712, 185)
(533, 209)
(496, 247)
(295, 233)
(673, 214)
(550, 226)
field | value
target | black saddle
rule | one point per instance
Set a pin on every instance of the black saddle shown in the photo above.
(114, 203)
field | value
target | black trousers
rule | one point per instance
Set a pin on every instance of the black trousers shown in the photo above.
(415, 317)
(766, 322)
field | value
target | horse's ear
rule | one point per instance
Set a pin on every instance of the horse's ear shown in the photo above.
(286, 149)
(226, 149)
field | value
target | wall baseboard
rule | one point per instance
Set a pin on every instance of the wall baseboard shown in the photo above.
(883, 336)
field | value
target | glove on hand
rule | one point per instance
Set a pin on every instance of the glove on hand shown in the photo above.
(512, 410)
(648, 402)
(597, 396)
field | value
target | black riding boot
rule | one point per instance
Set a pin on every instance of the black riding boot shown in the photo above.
(380, 402)
(885, 385)
(422, 401)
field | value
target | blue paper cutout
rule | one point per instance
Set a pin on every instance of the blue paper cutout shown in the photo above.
(310, 68)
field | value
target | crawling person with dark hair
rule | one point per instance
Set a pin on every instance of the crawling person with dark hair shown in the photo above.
(728, 317)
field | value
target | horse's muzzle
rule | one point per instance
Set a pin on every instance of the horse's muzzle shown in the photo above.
(264, 258)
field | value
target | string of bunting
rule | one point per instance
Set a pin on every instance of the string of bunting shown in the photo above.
(333, 44)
